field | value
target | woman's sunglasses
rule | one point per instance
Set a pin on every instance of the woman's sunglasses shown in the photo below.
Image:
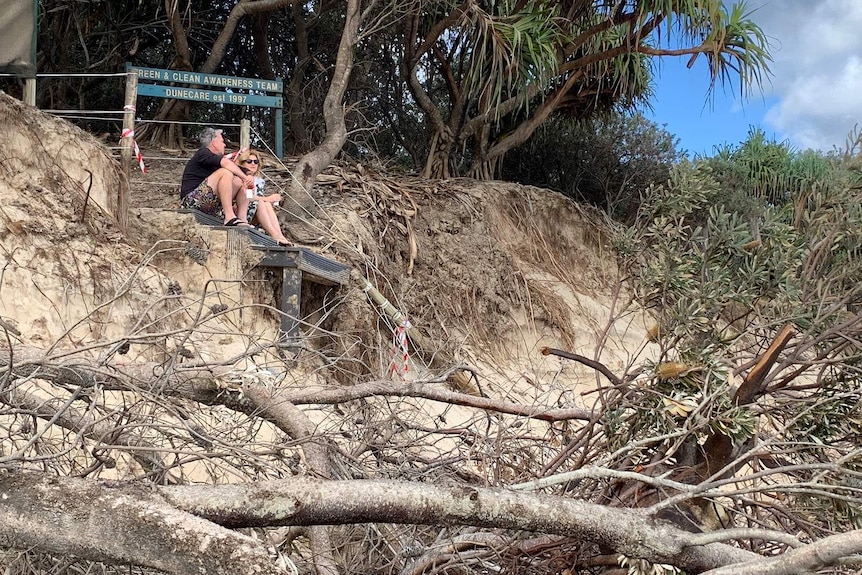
(251, 161)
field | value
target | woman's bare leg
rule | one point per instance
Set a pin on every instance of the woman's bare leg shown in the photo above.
(265, 216)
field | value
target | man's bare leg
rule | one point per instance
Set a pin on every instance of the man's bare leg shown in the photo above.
(226, 185)
(240, 196)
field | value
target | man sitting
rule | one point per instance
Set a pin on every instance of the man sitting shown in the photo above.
(212, 183)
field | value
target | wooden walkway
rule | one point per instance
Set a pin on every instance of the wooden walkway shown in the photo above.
(296, 263)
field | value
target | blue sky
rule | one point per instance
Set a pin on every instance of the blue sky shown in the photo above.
(682, 106)
(812, 100)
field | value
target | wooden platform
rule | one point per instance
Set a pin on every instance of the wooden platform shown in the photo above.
(297, 264)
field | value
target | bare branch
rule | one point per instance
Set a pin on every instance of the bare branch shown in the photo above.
(626, 531)
(810, 558)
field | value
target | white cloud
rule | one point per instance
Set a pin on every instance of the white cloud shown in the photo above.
(817, 81)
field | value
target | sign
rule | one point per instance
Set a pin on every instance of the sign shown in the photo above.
(214, 96)
(183, 77)
(186, 87)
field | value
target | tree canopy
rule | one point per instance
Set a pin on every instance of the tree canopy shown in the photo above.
(449, 88)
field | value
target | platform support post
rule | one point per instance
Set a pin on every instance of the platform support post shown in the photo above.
(291, 291)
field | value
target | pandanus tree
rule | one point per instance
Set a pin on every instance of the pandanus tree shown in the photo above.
(487, 74)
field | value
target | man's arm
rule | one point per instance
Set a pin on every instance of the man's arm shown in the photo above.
(234, 169)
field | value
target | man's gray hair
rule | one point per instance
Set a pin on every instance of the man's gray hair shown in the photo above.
(208, 135)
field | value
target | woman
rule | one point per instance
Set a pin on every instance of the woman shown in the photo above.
(261, 208)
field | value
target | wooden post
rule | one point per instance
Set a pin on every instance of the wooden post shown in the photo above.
(291, 295)
(30, 91)
(244, 134)
(126, 147)
(30, 83)
(279, 133)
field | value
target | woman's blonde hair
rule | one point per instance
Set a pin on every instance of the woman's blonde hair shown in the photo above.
(250, 152)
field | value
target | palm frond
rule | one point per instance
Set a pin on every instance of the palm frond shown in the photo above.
(512, 50)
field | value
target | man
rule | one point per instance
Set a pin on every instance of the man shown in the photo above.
(212, 182)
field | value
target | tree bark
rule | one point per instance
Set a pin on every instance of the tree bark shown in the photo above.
(807, 559)
(133, 523)
(242, 8)
(296, 424)
(314, 162)
(111, 523)
(172, 110)
(752, 383)
(627, 531)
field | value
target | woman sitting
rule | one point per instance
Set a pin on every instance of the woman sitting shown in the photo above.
(261, 208)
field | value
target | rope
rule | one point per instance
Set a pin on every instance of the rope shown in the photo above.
(130, 133)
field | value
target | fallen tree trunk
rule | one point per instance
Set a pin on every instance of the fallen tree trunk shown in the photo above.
(179, 529)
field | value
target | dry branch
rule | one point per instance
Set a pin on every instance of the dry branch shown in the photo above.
(296, 424)
(459, 378)
(807, 559)
(626, 531)
(598, 366)
(205, 386)
(751, 385)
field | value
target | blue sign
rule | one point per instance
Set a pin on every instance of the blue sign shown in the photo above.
(237, 91)
(184, 77)
(212, 96)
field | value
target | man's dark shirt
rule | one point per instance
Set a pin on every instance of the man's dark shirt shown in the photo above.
(199, 167)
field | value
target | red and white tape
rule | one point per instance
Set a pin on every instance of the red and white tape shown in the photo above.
(400, 350)
(138, 157)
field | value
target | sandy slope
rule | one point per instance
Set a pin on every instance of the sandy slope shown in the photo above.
(488, 272)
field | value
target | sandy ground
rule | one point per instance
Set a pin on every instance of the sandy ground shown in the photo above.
(490, 273)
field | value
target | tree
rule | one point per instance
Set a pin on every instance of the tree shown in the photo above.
(607, 161)
(486, 76)
(754, 320)
(96, 38)
(453, 87)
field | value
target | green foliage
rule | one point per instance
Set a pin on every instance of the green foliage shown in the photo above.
(743, 54)
(763, 169)
(757, 232)
(834, 414)
(607, 161)
(724, 254)
(488, 74)
(515, 47)
(695, 401)
(501, 70)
